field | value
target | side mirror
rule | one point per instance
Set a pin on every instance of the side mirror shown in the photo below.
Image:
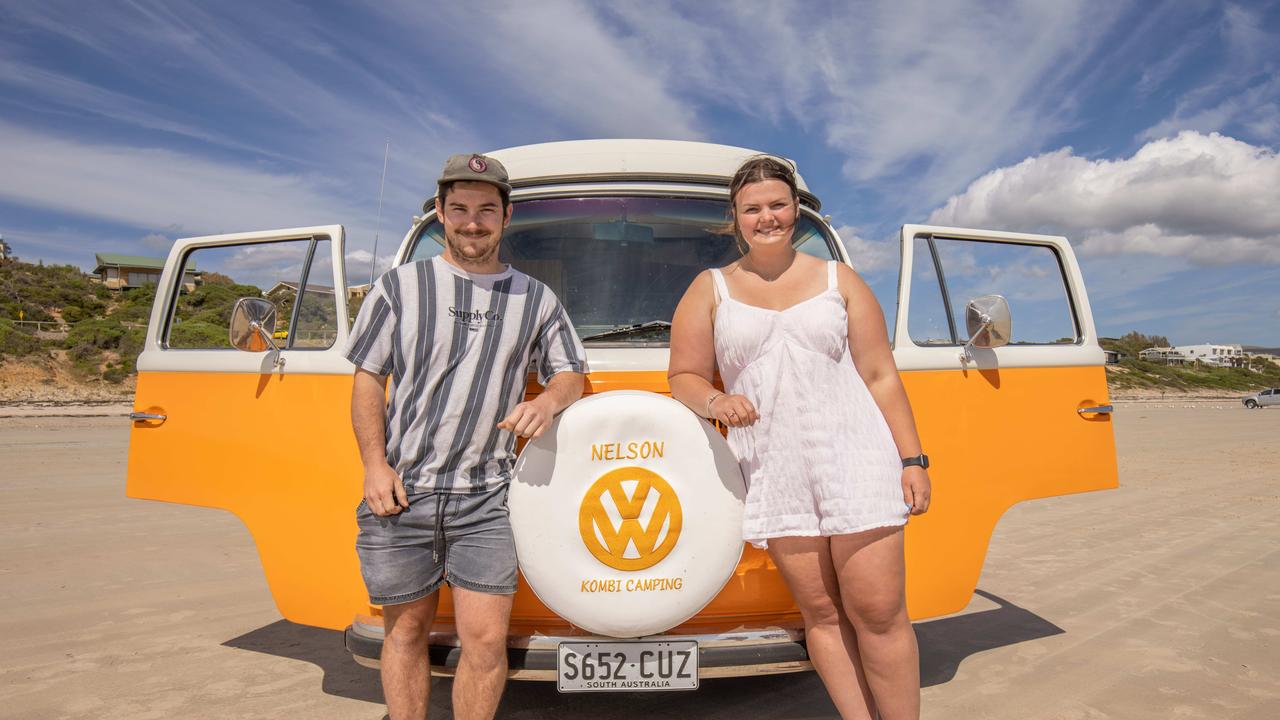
(989, 323)
(253, 320)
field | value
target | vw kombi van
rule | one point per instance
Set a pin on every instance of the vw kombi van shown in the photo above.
(1007, 410)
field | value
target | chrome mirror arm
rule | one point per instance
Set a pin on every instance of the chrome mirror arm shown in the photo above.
(989, 324)
(984, 323)
(277, 359)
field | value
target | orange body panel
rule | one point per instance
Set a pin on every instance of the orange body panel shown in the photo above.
(278, 452)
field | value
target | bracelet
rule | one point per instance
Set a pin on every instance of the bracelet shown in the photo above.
(714, 396)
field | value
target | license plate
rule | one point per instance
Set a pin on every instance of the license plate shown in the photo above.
(648, 665)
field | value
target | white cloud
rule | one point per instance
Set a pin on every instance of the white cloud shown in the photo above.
(556, 64)
(156, 188)
(64, 244)
(930, 94)
(869, 256)
(1255, 109)
(357, 262)
(1208, 198)
(1242, 92)
(568, 63)
(899, 100)
(915, 119)
(76, 97)
(294, 92)
(158, 242)
(1242, 29)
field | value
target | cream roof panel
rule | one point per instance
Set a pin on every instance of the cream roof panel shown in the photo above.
(528, 164)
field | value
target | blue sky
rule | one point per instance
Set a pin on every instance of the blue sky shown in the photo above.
(1144, 131)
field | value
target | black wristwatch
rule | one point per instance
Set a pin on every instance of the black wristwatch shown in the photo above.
(922, 460)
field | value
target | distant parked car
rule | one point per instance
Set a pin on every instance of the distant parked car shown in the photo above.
(1263, 399)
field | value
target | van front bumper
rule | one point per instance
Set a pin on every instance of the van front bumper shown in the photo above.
(764, 651)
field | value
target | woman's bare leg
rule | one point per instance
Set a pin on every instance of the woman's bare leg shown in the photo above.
(872, 576)
(806, 565)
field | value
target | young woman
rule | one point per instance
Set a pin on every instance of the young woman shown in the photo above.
(824, 434)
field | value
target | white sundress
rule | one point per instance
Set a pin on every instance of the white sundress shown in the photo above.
(821, 459)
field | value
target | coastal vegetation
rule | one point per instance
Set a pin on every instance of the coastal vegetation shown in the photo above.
(1133, 373)
(55, 315)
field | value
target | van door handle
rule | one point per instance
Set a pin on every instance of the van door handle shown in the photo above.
(138, 416)
(1096, 410)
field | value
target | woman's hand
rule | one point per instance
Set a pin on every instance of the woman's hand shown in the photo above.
(733, 410)
(916, 490)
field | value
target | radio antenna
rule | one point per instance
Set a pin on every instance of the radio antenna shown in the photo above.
(373, 262)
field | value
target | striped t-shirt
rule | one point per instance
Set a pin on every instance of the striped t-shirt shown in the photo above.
(457, 347)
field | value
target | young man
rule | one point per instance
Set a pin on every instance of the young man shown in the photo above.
(455, 334)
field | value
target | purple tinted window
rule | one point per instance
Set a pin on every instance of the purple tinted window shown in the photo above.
(618, 261)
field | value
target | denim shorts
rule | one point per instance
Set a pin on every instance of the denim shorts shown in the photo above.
(458, 538)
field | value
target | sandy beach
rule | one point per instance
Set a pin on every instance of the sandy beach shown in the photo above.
(1157, 600)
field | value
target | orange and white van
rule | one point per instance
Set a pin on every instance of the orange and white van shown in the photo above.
(618, 229)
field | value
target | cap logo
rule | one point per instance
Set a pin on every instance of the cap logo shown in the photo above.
(477, 164)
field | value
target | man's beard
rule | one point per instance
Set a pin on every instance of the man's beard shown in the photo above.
(456, 249)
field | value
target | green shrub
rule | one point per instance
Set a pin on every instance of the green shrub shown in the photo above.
(130, 347)
(115, 373)
(198, 335)
(72, 314)
(99, 333)
(132, 313)
(15, 342)
(145, 295)
(86, 359)
(23, 310)
(220, 316)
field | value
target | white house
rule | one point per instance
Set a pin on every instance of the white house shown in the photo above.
(1163, 355)
(1217, 355)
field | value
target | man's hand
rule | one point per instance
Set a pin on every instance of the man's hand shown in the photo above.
(916, 490)
(528, 419)
(384, 490)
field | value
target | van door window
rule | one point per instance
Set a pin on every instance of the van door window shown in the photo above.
(201, 314)
(1030, 277)
(927, 320)
(615, 262)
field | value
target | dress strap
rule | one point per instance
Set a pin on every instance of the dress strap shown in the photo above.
(831, 274)
(722, 290)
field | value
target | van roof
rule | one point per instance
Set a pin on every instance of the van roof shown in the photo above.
(667, 160)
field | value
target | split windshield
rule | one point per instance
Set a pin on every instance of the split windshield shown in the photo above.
(618, 262)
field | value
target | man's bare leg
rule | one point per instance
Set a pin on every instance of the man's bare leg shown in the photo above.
(406, 672)
(482, 621)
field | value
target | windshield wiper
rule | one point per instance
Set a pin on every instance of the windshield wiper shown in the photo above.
(624, 330)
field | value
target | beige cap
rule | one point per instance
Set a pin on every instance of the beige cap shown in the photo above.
(474, 167)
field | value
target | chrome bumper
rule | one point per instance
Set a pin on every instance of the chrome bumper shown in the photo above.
(765, 651)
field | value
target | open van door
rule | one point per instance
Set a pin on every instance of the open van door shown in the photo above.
(266, 434)
(1029, 418)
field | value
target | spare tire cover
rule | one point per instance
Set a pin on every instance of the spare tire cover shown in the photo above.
(627, 514)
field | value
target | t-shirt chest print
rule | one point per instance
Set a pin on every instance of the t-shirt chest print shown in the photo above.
(475, 320)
